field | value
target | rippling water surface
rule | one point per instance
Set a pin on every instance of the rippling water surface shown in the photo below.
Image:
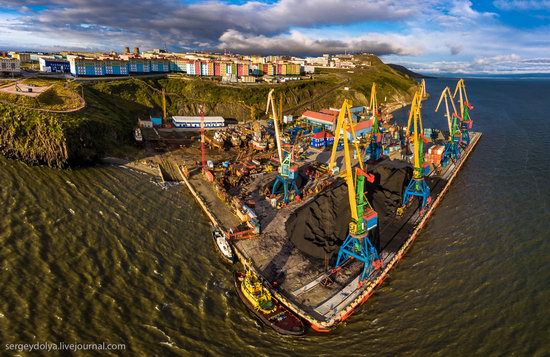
(106, 255)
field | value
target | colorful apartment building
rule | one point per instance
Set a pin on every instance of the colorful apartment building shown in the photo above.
(139, 65)
(87, 67)
(10, 65)
(159, 65)
(116, 67)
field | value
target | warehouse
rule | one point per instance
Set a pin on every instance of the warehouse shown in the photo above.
(51, 65)
(322, 119)
(188, 122)
(361, 129)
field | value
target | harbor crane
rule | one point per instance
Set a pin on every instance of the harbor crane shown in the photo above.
(423, 88)
(452, 148)
(466, 122)
(417, 186)
(288, 172)
(363, 218)
(375, 147)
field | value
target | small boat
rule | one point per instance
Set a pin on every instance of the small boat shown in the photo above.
(223, 246)
(259, 301)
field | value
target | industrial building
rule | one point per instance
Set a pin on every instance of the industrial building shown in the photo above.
(51, 65)
(10, 65)
(193, 122)
(326, 119)
(361, 129)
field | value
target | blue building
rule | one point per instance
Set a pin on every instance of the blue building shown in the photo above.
(322, 139)
(361, 129)
(87, 67)
(116, 68)
(51, 65)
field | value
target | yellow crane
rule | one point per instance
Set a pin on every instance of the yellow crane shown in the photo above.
(447, 96)
(423, 88)
(417, 186)
(452, 150)
(375, 146)
(343, 123)
(288, 172)
(465, 107)
(164, 118)
(357, 244)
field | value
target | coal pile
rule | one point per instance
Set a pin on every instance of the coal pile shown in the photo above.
(386, 192)
(319, 228)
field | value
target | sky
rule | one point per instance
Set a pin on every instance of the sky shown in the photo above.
(429, 36)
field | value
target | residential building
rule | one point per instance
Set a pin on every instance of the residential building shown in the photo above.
(10, 65)
(90, 67)
(22, 57)
(115, 67)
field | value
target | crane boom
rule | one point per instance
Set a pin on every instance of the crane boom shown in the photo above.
(344, 122)
(373, 101)
(447, 95)
(271, 103)
(461, 90)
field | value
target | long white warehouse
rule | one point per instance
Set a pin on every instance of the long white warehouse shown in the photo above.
(195, 122)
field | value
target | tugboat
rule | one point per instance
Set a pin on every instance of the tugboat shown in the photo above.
(259, 300)
(223, 246)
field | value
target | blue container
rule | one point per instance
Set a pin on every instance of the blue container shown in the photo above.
(371, 223)
(156, 121)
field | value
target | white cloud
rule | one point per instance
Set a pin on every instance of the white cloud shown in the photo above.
(299, 43)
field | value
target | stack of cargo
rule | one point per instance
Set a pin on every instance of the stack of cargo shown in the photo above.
(434, 154)
(371, 218)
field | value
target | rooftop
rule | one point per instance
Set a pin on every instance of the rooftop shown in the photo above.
(329, 118)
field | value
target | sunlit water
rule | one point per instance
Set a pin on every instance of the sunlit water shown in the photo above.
(106, 255)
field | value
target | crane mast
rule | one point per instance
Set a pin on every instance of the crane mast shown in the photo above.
(375, 146)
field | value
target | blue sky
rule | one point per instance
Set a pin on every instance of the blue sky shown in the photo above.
(460, 36)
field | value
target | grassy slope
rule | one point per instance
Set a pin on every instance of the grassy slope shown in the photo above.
(61, 95)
